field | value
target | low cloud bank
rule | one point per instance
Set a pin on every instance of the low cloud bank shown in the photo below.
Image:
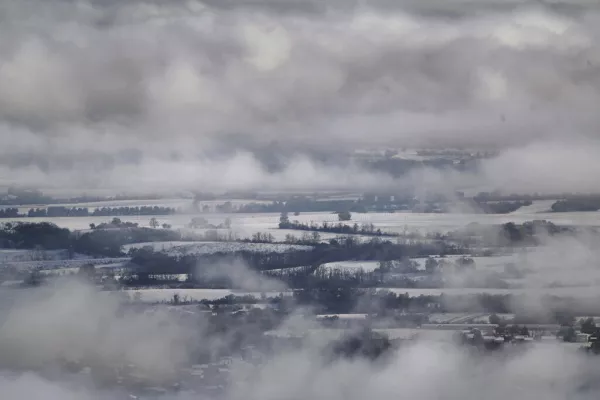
(95, 91)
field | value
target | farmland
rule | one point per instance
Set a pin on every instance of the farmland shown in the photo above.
(417, 284)
(247, 224)
(299, 200)
(182, 248)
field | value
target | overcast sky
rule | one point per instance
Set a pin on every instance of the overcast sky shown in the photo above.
(146, 90)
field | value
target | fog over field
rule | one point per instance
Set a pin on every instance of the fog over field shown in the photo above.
(138, 95)
(61, 322)
(108, 97)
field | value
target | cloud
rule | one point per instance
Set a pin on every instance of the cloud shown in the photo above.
(551, 167)
(241, 277)
(95, 86)
(72, 322)
(240, 171)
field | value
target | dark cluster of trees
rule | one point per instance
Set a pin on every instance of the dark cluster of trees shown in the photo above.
(341, 228)
(10, 213)
(114, 223)
(570, 205)
(204, 268)
(508, 234)
(98, 242)
(60, 211)
(389, 274)
(43, 235)
(502, 207)
(383, 202)
(109, 243)
(343, 300)
(570, 202)
(303, 204)
(327, 278)
(528, 231)
(445, 205)
(364, 343)
(395, 306)
(369, 202)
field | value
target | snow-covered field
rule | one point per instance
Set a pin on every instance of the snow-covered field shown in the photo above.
(352, 265)
(464, 318)
(581, 292)
(538, 206)
(247, 224)
(10, 255)
(285, 269)
(182, 248)
(494, 263)
(68, 265)
(244, 225)
(158, 246)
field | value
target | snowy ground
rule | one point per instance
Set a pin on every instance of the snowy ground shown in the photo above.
(181, 248)
(10, 255)
(580, 292)
(465, 318)
(68, 265)
(244, 225)
(247, 224)
(538, 206)
(495, 263)
(352, 265)
(286, 269)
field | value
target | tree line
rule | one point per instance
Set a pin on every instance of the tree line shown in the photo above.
(389, 274)
(502, 207)
(60, 211)
(204, 268)
(508, 234)
(340, 228)
(573, 205)
(98, 242)
(405, 309)
(303, 204)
